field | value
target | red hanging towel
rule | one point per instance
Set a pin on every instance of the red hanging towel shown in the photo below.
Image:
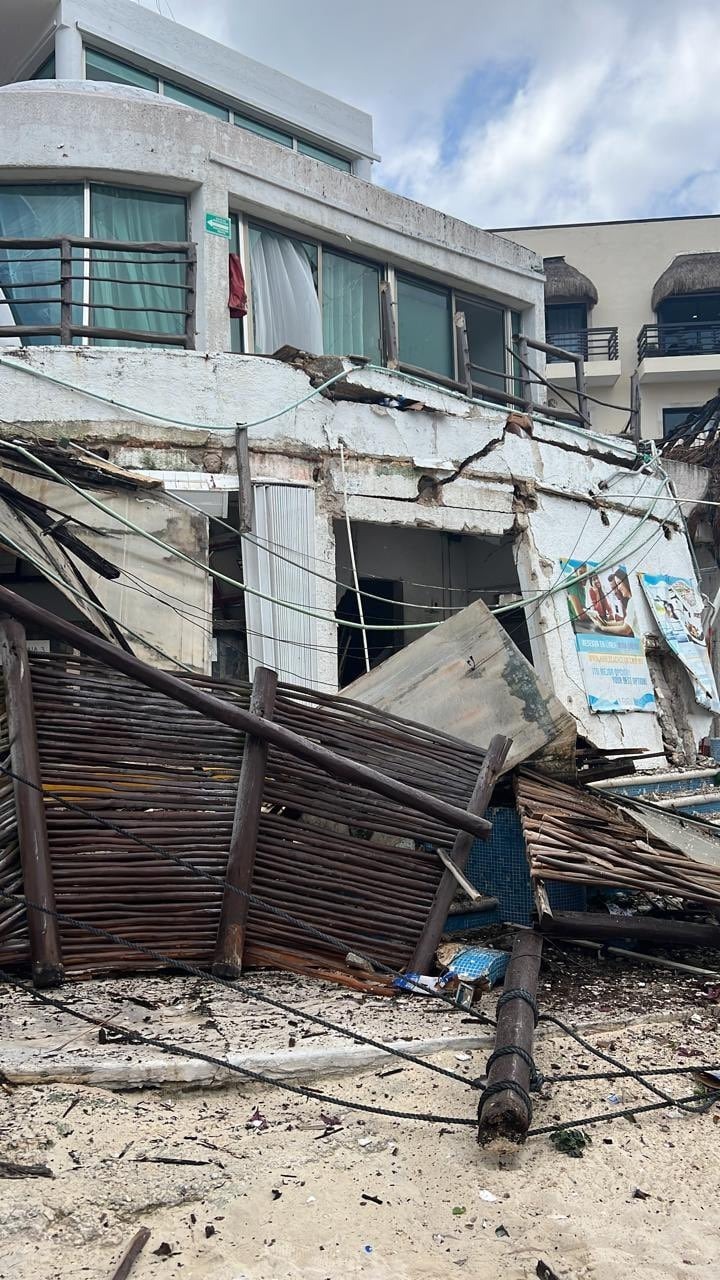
(237, 300)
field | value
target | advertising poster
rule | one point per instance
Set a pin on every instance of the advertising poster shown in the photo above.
(609, 644)
(677, 606)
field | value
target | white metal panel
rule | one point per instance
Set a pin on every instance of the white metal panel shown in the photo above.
(277, 636)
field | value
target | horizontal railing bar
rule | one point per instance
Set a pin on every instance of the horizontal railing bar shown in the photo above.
(88, 242)
(92, 331)
(148, 309)
(134, 335)
(31, 284)
(43, 284)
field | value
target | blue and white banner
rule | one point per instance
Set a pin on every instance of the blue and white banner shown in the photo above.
(609, 645)
(677, 606)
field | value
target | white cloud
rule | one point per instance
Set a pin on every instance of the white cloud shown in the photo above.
(610, 110)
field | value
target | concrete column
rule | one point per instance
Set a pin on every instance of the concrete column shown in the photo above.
(69, 63)
(213, 316)
(362, 168)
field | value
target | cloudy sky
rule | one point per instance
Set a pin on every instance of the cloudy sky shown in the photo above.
(514, 112)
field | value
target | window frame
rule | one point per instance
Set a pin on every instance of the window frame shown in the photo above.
(85, 186)
(387, 276)
(671, 408)
(247, 222)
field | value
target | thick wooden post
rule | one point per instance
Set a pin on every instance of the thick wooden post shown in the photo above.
(243, 842)
(505, 1109)
(45, 950)
(446, 890)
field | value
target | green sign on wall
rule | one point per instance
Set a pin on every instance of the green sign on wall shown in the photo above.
(217, 225)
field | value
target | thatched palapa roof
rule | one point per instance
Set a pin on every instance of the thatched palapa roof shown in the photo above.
(688, 273)
(564, 283)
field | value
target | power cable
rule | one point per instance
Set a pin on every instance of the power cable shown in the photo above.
(330, 618)
(24, 554)
(186, 966)
(313, 1095)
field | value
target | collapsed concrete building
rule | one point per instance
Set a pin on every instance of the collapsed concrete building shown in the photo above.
(202, 286)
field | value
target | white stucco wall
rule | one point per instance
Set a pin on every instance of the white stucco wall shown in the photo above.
(542, 490)
(624, 260)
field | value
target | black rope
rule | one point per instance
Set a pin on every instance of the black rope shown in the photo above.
(502, 1086)
(667, 1098)
(165, 1046)
(186, 966)
(519, 993)
(686, 1069)
(516, 1050)
(626, 1112)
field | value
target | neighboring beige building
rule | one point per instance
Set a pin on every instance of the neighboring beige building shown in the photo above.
(640, 296)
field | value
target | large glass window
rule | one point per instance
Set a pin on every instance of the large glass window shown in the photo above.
(674, 418)
(265, 130)
(100, 66)
(485, 326)
(350, 307)
(425, 326)
(46, 70)
(327, 157)
(29, 277)
(194, 100)
(285, 306)
(131, 289)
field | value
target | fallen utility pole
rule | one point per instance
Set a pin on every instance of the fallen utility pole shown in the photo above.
(237, 718)
(243, 842)
(43, 931)
(505, 1108)
(434, 925)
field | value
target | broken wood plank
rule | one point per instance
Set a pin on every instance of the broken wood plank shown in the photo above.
(10, 1170)
(243, 842)
(467, 887)
(131, 1254)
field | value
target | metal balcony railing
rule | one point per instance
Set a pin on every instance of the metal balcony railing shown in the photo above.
(591, 344)
(689, 339)
(73, 289)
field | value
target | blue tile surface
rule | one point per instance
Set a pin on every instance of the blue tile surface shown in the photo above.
(498, 867)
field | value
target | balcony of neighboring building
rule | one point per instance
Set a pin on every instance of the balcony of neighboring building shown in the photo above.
(683, 345)
(570, 297)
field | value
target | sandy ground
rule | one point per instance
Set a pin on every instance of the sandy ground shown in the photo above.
(375, 1197)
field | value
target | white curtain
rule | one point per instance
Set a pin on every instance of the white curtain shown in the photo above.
(277, 636)
(286, 310)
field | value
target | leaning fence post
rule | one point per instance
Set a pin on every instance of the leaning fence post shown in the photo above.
(424, 953)
(45, 949)
(232, 930)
